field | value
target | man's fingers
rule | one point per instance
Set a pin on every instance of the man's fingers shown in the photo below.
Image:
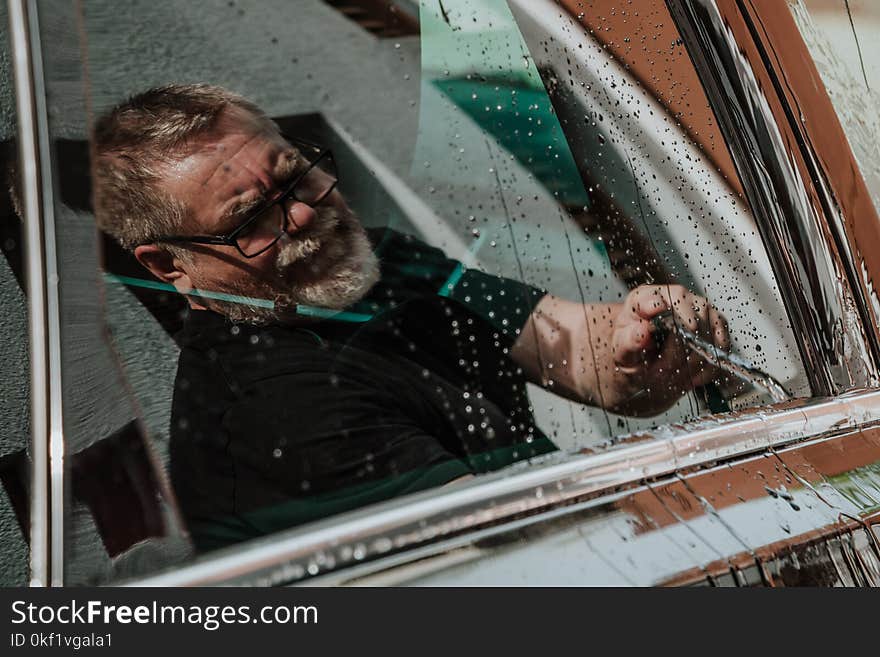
(720, 333)
(648, 301)
(632, 342)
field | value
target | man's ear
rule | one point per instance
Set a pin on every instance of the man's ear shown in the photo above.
(164, 266)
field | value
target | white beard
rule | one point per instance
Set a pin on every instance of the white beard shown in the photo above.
(332, 265)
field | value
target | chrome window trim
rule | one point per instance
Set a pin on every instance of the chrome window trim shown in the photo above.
(431, 522)
(44, 325)
(427, 518)
(36, 291)
(799, 238)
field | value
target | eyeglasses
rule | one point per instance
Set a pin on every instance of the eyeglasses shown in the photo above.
(267, 223)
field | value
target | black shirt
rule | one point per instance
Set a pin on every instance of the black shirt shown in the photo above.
(410, 388)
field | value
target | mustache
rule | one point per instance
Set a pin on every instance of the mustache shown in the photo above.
(345, 268)
(310, 240)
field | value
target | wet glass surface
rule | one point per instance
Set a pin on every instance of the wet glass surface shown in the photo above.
(840, 38)
(536, 184)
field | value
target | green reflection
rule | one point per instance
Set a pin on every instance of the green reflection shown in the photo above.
(307, 311)
(521, 119)
(860, 486)
(488, 132)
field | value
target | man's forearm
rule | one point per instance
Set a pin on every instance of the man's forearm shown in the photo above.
(565, 346)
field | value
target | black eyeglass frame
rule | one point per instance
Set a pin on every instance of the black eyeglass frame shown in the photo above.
(230, 238)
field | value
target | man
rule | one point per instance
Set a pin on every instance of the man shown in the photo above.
(323, 366)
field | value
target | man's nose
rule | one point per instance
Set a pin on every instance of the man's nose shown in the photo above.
(299, 215)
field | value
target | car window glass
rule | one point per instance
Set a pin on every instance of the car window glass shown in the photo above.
(602, 174)
(495, 152)
(14, 388)
(839, 36)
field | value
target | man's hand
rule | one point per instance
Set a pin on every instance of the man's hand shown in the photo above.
(652, 371)
(611, 355)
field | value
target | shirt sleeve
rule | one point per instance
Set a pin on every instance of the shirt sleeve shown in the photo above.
(409, 264)
(503, 302)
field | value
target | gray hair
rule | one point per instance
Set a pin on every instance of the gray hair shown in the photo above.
(134, 141)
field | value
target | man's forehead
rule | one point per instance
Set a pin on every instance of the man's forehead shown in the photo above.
(234, 120)
(225, 142)
(233, 165)
(234, 151)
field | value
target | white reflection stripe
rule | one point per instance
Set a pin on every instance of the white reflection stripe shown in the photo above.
(422, 215)
(57, 512)
(36, 292)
